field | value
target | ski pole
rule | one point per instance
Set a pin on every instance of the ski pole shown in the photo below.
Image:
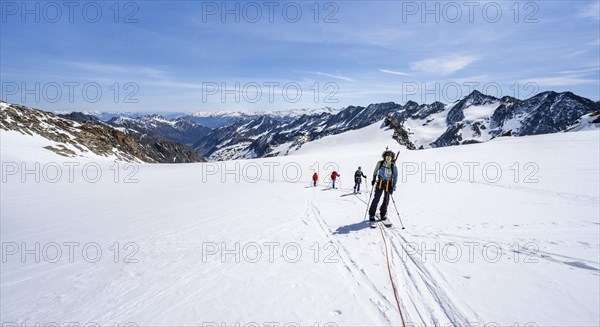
(370, 194)
(394, 201)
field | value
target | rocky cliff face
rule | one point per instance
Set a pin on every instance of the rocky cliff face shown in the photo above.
(87, 135)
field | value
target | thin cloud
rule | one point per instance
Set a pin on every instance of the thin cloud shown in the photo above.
(177, 85)
(340, 77)
(581, 71)
(443, 65)
(555, 81)
(148, 72)
(590, 11)
(393, 72)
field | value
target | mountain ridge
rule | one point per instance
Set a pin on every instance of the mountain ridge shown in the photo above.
(81, 135)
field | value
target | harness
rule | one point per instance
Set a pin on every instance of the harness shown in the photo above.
(387, 182)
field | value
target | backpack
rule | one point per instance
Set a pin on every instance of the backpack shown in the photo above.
(358, 175)
(380, 163)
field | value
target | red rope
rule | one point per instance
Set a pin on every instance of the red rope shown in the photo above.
(390, 273)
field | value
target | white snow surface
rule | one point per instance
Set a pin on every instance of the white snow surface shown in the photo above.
(17, 147)
(586, 123)
(522, 249)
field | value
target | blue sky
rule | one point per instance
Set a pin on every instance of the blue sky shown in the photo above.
(181, 55)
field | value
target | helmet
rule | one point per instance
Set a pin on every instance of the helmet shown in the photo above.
(358, 167)
(388, 153)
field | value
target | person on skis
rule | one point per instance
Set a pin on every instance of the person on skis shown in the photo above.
(315, 178)
(334, 176)
(358, 176)
(384, 182)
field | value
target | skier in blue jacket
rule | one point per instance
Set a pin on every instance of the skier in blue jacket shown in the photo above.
(384, 181)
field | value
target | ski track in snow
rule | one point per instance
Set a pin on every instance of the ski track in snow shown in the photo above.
(427, 282)
(356, 272)
(412, 276)
(580, 198)
(533, 254)
(420, 280)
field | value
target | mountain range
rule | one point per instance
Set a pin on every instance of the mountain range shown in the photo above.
(473, 119)
(237, 135)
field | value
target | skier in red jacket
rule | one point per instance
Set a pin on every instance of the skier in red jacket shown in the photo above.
(315, 179)
(334, 176)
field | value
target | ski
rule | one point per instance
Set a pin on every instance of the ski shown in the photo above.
(387, 223)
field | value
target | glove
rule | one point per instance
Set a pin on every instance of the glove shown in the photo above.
(373, 183)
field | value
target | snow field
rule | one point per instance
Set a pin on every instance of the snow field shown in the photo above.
(180, 243)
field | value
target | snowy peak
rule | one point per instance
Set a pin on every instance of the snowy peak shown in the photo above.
(546, 112)
(425, 110)
(180, 130)
(479, 118)
(216, 119)
(474, 99)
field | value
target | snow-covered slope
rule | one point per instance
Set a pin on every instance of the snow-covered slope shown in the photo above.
(78, 135)
(587, 122)
(25, 128)
(250, 242)
(368, 140)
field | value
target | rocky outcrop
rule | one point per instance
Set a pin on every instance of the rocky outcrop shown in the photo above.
(76, 138)
(396, 121)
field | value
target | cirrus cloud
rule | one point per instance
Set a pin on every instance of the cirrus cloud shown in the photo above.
(443, 65)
